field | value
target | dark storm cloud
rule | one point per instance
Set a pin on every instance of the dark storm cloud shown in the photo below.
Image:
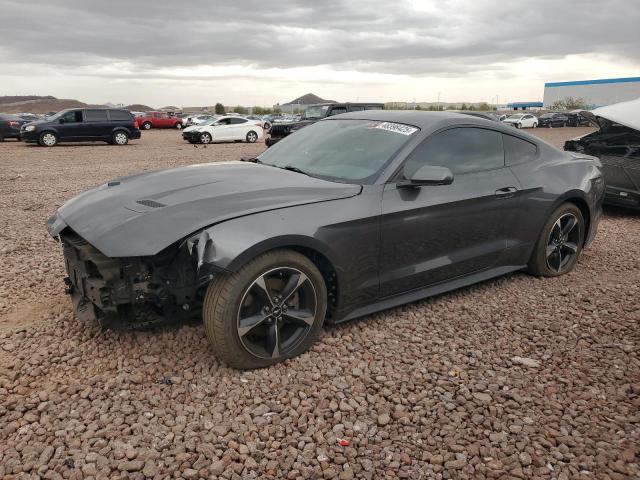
(451, 38)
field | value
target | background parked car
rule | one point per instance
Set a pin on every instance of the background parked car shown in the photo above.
(223, 129)
(574, 119)
(617, 144)
(553, 119)
(115, 126)
(159, 120)
(198, 119)
(313, 113)
(10, 126)
(522, 120)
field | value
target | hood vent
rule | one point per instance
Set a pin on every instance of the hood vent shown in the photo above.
(151, 203)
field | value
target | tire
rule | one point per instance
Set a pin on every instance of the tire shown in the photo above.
(48, 139)
(564, 125)
(178, 126)
(146, 125)
(205, 137)
(231, 296)
(120, 138)
(535, 125)
(267, 127)
(252, 137)
(518, 125)
(545, 260)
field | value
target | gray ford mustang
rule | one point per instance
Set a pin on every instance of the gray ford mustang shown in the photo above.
(354, 214)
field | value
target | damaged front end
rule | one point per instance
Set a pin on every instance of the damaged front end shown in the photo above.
(137, 292)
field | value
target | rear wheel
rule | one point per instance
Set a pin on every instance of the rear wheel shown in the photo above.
(48, 139)
(120, 138)
(146, 125)
(252, 137)
(518, 125)
(271, 309)
(560, 243)
(205, 137)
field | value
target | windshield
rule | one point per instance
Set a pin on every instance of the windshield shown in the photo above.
(547, 115)
(210, 121)
(515, 117)
(319, 111)
(352, 151)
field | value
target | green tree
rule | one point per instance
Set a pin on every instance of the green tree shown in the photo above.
(240, 110)
(570, 103)
(464, 106)
(418, 107)
(484, 106)
(219, 109)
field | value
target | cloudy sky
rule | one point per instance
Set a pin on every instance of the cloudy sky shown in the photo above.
(259, 53)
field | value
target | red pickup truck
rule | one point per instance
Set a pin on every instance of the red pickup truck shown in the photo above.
(159, 120)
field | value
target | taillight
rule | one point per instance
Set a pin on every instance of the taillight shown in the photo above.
(14, 124)
(135, 124)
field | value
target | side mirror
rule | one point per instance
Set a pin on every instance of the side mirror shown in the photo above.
(61, 121)
(429, 175)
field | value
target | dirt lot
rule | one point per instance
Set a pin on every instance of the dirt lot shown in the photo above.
(428, 390)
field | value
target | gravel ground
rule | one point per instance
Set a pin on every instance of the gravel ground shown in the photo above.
(517, 377)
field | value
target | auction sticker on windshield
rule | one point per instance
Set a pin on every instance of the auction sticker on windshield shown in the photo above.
(394, 127)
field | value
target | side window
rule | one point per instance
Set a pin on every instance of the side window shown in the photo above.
(224, 121)
(462, 150)
(356, 108)
(337, 111)
(74, 116)
(235, 121)
(517, 150)
(120, 116)
(95, 115)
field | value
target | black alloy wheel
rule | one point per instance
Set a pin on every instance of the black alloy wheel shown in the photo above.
(560, 243)
(271, 309)
(563, 243)
(276, 312)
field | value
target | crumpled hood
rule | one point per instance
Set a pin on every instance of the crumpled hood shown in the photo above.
(142, 214)
(624, 113)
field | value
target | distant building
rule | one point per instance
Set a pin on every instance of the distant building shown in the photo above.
(596, 93)
(524, 106)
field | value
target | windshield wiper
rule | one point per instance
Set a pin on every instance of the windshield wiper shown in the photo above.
(291, 168)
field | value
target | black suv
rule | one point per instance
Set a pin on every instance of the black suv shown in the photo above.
(115, 126)
(313, 113)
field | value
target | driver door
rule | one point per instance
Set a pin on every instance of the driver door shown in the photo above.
(71, 125)
(431, 234)
(220, 129)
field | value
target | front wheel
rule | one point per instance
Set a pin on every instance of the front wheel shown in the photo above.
(271, 309)
(535, 125)
(120, 138)
(252, 137)
(179, 126)
(518, 125)
(560, 243)
(146, 125)
(205, 137)
(48, 139)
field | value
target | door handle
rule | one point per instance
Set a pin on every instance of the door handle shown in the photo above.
(506, 192)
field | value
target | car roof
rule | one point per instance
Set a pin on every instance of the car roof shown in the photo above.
(418, 118)
(430, 122)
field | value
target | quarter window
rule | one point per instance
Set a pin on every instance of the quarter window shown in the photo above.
(462, 150)
(517, 150)
(236, 121)
(95, 115)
